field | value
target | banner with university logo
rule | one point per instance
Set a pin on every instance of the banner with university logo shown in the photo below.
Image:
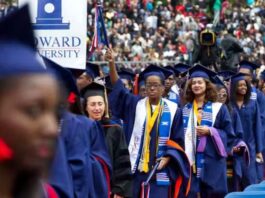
(60, 28)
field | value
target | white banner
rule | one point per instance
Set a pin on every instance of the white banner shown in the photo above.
(60, 27)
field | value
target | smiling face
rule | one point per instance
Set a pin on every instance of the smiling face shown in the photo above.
(29, 120)
(241, 87)
(198, 86)
(95, 107)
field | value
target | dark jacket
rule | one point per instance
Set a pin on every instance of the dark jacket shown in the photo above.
(121, 181)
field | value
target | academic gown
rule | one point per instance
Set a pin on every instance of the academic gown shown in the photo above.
(235, 158)
(121, 181)
(252, 136)
(260, 98)
(85, 159)
(213, 179)
(124, 105)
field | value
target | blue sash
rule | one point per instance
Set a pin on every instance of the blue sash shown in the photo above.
(164, 134)
(206, 121)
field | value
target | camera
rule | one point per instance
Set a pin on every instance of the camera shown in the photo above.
(207, 38)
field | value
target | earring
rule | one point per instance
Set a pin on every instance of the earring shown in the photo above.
(6, 152)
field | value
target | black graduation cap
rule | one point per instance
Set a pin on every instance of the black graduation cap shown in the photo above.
(181, 67)
(153, 70)
(173, 70)
(96, 89)
(17, 45)
(92, 70)
(93, 89)
(126, 74)
(63, 75)
(248, 65)
(201, 71)
(17, 27)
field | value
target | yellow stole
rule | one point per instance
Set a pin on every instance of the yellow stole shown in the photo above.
(196, 113)
(150, 121)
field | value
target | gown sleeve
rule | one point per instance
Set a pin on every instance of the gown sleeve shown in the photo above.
(60, 175)
(178, 167)
(122, 176)
(261, 104)
(224, 127)
(122, 105)
(100, 162)
(258, 129)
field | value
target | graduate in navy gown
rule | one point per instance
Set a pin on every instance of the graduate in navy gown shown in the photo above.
(82, 166)
(208, 128)
(29, 100)
(86, 76)
(127, 78)
(249, 69)
(248, 111)
(154, 129)
(171, 88)
(237, 150)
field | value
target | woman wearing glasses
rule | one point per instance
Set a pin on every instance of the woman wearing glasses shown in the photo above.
(154, 131)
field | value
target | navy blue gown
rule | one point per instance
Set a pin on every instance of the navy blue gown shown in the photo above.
(123, 103)
(213, 178)
(252, 135)
(82, 164)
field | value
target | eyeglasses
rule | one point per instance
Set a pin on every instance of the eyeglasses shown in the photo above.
(222, 95)
(156, 86)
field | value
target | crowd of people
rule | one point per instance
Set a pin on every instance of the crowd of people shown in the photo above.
(169, 30)
(184, 130)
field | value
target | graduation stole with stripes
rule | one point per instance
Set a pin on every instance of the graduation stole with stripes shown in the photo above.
(204, 120)
(162, 117)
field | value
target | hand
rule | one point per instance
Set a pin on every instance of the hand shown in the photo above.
(236, 149)
(117, 196)
(109, 55)
(260, 157)
(203, 130)
(163, 162)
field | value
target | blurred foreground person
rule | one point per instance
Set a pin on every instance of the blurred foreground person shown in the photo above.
(28, 113)
(81, 167)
